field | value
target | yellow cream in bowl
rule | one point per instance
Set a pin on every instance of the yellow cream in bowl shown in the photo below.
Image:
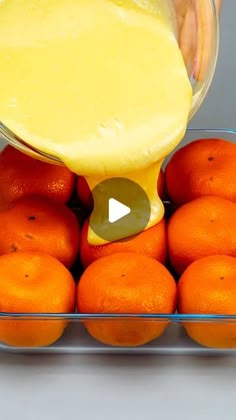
(100, 84)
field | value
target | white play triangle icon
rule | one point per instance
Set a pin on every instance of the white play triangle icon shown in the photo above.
(117, 210)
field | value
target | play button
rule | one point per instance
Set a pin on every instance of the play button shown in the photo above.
(121, 209)
(117, 210)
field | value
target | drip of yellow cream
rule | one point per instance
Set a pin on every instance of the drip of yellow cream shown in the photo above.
(147, 179)
(100, 84)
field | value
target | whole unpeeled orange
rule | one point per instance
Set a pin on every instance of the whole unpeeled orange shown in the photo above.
(205, 226)
(126, 283)
(208, 287)
(34, 283)
(21, 175)
(203, 167)
(39, 224)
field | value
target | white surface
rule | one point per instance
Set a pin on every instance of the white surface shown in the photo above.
(117, 388)
(133, 388)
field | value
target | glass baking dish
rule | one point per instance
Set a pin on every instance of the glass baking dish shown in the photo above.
(174, 340)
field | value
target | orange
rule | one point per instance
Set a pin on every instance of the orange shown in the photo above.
(86, 198)
(21, 175)
(151, 242)
(203, 167)
(208, 286)
(130, 284)
(202, 227)
(34, 283)
(39, 224)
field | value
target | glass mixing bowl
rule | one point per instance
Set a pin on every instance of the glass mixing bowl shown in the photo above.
(195, 24)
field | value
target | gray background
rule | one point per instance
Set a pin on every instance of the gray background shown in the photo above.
(219, 109)
(133, 388)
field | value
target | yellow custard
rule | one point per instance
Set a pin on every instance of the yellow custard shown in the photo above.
(100, 84)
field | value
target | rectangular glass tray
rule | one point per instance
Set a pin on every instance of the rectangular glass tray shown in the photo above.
(174, 341)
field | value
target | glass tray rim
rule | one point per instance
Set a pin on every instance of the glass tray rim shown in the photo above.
(74, 316)
(175, 343)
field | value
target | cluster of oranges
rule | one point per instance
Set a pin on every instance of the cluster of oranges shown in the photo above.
(187, 262)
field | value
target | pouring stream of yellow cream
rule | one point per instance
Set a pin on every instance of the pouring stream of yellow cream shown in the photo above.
(99, 84)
